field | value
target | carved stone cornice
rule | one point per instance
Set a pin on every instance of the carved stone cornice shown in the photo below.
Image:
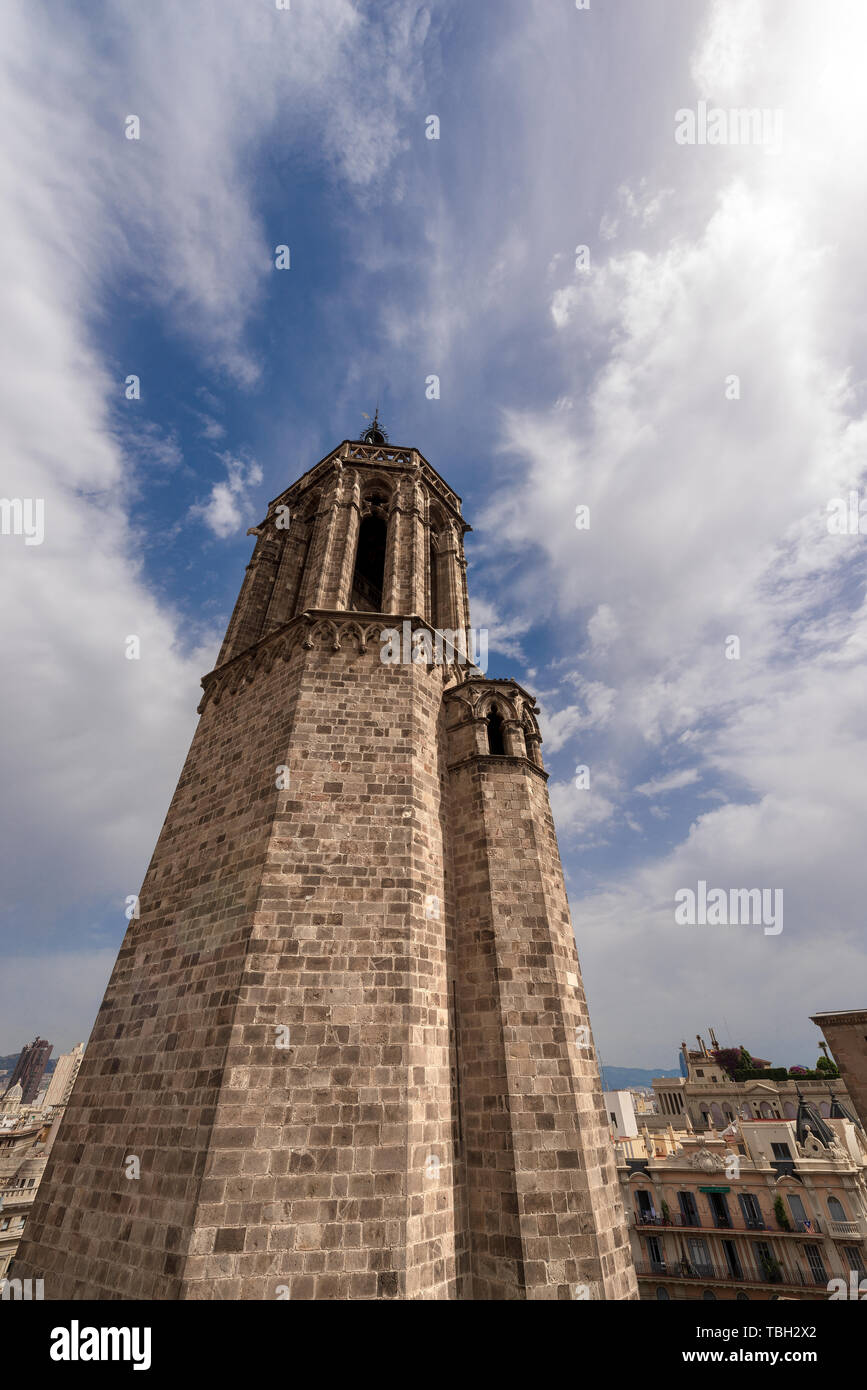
(389, 458)
(325, 628)
(381, 453)
(510, 759)
(858, 1016)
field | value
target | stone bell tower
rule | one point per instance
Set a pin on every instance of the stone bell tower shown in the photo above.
(344, 1051)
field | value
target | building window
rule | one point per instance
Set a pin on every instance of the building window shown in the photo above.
(743, 1297)
(699, 1258)
(799, 1213)
(709, 1296)
(662, 1294)
(781, 1151)
(752, 1212)
(835, 1210)
(855, 1260)
(732, 1259)
(646, 1210)
(434, 586)
(817, 1267)
(496, 733)
(369, 578)
(688, 1209)
(719, 1209)
(654, 1251)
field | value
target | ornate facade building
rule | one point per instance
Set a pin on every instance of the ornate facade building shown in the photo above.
(706, 1097)
(345, 1051)
(24, 1150)
(768, 1208)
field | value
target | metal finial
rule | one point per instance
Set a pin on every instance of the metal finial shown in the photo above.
(375, 432)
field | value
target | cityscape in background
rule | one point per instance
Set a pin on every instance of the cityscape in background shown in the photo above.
(433, 548)
(740, 1179)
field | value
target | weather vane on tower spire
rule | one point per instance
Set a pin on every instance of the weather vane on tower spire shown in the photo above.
(375, 432)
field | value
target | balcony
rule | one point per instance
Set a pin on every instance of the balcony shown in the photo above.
(649, 1221)
(682, 1271)
(851, 1230)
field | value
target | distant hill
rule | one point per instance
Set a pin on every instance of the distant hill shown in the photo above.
(613, 1078)
(619, 1078)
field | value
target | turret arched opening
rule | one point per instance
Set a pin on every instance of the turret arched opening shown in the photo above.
(496, 733)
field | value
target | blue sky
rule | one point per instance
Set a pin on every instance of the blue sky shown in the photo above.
(560, 386)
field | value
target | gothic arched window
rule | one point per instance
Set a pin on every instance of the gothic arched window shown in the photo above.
(369, 577)
(300, 542)
(434, 585)
(496, 732)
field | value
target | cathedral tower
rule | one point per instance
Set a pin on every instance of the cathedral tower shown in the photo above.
(344, 1051)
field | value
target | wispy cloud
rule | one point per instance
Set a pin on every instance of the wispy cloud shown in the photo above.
(673, 782)
(228, 504)
(168, 225)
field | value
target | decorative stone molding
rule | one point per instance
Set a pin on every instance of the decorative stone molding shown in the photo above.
(313, 628)
(380, 453)
(509, 759)
(706, 1161)
(476, 694)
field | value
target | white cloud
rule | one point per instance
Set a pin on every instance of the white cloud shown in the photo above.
(602, 628)
(708, 518)
(211, 428)
(228, 506)
(504, 635)
(558, 728)
(581, 813)
(595, 710)
(94, 741)
(707, 513)
(671, 783)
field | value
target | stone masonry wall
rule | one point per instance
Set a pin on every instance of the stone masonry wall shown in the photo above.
(330, 1166)
(153, 1068)
(545, 1213)
(319, 1170)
